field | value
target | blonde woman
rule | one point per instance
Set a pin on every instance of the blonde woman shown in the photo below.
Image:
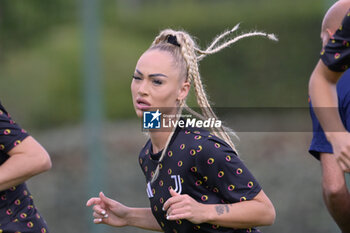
(195, 180)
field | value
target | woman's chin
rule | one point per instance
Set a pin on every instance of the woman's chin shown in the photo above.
(139, 113)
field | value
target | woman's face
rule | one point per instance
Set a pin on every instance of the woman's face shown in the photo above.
(156, 83)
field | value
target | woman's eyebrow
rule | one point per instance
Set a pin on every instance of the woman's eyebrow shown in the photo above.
(157, 74)
(151, 75)
(139, 72)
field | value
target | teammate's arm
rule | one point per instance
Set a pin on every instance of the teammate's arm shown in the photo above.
(26, 160)
(335, 193)
(322, 90)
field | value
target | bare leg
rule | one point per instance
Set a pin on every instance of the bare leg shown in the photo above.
(335, 193)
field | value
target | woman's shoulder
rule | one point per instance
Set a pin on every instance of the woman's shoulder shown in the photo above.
(207, 142)
(192, 136)
(3, 111)
(202, 134)
(145, 151)
(192, 132)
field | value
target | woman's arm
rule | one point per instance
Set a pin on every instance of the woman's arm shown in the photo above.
(27, 159)
(246, 214)
(113, 213)
(256, 212)
(143, 218)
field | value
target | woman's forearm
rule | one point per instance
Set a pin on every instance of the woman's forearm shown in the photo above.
(245, 214)
(143, 218)
(19, 168)
(26, 160)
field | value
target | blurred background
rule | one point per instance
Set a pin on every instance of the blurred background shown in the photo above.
(65, 71)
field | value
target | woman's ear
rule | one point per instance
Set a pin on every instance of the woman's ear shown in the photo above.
(183, 92)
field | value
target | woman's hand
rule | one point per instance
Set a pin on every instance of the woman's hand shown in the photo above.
(246, 214)
(108, 211)
(184, 207)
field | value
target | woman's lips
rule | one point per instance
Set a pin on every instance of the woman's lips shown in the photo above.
(142, 104)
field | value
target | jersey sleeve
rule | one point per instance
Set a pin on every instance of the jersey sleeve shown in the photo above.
(225, 173)
(336, 54)
(11, 134)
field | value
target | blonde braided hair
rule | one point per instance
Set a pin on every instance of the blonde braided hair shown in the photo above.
(186, 57)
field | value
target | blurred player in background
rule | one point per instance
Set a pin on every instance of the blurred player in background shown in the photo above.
(330, 111)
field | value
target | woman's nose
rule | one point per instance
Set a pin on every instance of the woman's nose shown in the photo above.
(143, 88)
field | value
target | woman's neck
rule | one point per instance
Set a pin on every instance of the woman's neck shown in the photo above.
(159, 139)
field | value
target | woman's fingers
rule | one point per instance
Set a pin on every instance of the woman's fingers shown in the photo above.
(171, 201)
(178, 216)
(106, 200)
(98, 220)
(173, 209)
(98, 200)
(99, 215)
(93, 201)
(183, 207)
(178, 208)
(179, 211)
(98, 209)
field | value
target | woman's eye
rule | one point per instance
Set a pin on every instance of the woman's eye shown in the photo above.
(157, 82)
(136, 78)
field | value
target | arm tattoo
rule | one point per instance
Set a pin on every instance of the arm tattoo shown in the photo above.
(220, 209)
(227, 209)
